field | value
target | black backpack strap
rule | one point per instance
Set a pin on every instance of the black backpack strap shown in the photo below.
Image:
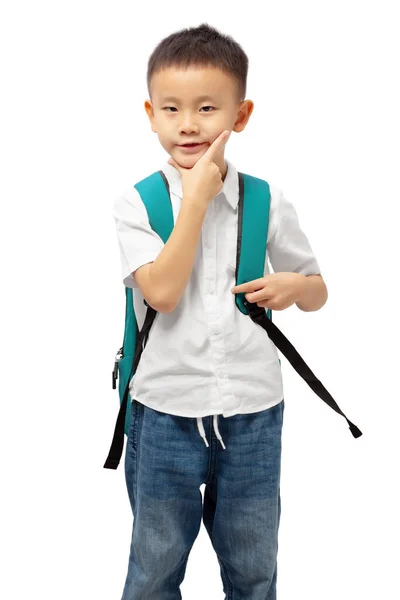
(117, 444)
(258, 315)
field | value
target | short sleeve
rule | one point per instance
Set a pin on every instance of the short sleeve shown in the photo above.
(139, 244)
(288, 248)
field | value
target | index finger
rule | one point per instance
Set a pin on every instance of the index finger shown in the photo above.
(250, 286)
(217, 144)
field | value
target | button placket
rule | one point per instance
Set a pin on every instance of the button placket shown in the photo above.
(209, 249)
(213, 309)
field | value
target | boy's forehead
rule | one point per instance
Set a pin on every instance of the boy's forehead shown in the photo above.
(198, 83)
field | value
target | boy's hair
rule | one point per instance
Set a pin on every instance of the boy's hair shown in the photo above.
(201, 46)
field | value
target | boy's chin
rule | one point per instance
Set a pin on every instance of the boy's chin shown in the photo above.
(186, 160)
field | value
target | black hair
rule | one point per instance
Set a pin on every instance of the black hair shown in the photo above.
(201, 46)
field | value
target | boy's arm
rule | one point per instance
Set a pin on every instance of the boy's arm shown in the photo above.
(314, 293)
(161, 271)
(170, 272)
(289, 250)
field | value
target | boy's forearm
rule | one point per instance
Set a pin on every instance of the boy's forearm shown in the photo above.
(314, 293)
(170, 272)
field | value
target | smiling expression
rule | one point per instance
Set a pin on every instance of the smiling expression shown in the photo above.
(194, 105)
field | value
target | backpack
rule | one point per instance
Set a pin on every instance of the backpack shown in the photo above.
(253, 219)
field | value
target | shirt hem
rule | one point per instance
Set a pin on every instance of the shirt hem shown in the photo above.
(231, 413)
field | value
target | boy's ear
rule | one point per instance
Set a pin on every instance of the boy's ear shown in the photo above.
(150, 113)
(244, 112)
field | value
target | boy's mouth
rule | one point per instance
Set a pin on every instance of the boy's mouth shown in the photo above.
(191, 147)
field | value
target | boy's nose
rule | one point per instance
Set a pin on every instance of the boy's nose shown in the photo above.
(189, 126)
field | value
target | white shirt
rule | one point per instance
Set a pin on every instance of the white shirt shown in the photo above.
(206, 357)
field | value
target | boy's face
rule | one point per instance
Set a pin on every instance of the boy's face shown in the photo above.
(187, 118)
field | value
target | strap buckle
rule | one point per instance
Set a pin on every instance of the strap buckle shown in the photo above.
(257, 313)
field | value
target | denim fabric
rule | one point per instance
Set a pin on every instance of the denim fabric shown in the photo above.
(166, 462)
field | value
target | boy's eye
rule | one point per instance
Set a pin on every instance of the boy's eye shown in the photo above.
(173, 107)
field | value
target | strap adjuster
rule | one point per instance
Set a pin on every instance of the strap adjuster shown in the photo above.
(257, 313)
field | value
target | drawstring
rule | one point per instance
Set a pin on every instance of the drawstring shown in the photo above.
(200, 427)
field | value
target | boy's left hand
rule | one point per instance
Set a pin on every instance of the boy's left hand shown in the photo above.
(276, 291)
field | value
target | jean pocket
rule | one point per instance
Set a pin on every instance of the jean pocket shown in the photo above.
(274, 418)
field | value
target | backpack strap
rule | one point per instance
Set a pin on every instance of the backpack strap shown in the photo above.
(154, 191)
(254, 204)
(253, 222)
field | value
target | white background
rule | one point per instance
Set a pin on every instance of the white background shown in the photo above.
(74, 133)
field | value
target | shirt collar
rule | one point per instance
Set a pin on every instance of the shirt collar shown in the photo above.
(230, 188)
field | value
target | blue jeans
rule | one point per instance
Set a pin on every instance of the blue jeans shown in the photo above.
(166, 462)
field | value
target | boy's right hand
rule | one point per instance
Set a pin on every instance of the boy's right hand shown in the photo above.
(202, 182)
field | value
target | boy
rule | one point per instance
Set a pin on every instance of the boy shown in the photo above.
(204, 359)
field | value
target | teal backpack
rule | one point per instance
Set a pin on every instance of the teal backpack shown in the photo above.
(253, 219)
